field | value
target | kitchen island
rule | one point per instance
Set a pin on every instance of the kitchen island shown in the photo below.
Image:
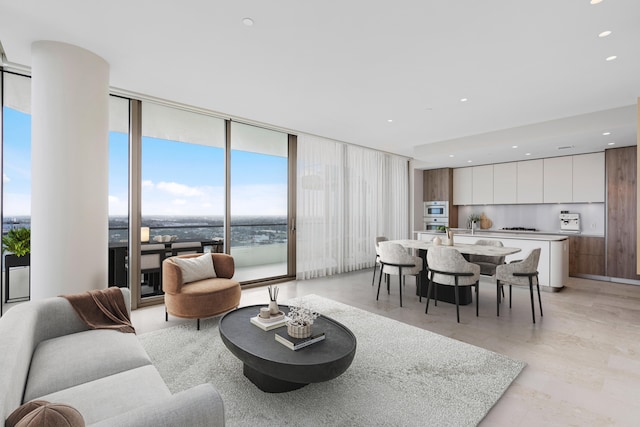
(553, 268)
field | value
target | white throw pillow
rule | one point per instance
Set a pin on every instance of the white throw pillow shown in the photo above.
(196, 268)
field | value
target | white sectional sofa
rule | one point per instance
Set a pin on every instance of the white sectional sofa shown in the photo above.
(48, 353)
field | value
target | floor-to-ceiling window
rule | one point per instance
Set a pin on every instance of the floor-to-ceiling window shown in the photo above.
(182, 186)
(118, 190)
(259, 196)
(16, 176)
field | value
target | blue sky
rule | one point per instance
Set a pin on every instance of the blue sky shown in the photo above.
(178, 178)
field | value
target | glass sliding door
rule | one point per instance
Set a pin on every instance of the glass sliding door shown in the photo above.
(16, 180)
(182, 194)
(118, 190)
(258, 202)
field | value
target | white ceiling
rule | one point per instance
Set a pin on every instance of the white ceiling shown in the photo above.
(534, 72)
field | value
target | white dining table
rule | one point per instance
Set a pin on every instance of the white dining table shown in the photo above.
(463, 248)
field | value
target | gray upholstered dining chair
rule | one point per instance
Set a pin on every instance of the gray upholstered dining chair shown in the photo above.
(520, 273)
(375, 264)
(487, 263)
(448, 267)
(395, 260)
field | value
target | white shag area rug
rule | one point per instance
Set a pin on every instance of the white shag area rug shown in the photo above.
(401, 376)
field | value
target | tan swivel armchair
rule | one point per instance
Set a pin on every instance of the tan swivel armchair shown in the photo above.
(202, 298)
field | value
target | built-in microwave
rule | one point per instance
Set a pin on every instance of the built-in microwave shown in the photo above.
(436, 209)
(435, 224)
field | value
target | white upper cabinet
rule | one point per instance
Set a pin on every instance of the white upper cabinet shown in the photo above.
(505, 183)
(482, 185)
(558, 179)
(529, 186)
(462, 186)
(568, 179)
(588, 178)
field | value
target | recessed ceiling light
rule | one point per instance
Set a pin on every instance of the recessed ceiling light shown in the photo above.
(527, 154)
(604, 34)
(464, 99)
(451, 155)
(514, 146)
(469, 161)
(390, 120)
(247, 21)
(611, 58)
(596, 1)
(606, 133)
(611, 143)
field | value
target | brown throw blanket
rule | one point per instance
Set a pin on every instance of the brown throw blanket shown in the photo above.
(102, 309)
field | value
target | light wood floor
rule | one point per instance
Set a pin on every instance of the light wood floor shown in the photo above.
(583, 356)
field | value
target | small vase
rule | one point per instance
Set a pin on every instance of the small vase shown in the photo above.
(273, 308)
(296, 331)
(437, 241)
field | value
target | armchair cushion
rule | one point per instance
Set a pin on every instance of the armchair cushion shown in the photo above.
(196, 268)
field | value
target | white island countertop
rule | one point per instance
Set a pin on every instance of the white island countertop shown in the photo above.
(553, 267)
(518, 235)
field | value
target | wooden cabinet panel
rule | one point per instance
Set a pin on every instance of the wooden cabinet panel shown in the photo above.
(558, 179)
(586, 255)
(462, 186)
(621, 167)
(482, 185)
(437, 184)
(530, 181)
(588, 178)
(505, 180)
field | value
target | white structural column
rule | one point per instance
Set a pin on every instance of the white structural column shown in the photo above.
(70, 147)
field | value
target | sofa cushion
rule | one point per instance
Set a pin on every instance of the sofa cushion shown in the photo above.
(70, 360)
(52, 415)
(196, 268)
(115, 394)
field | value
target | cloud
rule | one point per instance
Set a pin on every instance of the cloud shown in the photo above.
(113, 199)
(179, 202)
(147, 184)
(179, 189)
(5, 178)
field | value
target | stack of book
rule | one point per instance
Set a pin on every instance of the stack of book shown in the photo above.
(273, 322)
(297, 343)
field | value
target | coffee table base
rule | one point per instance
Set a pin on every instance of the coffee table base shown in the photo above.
(268, 383)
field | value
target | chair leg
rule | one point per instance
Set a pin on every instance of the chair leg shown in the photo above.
(379, 281)
(477, 299)
(400, 277)
(198, 324)
(533, 309)
(375, 265)
(166, 315)
(498, 288)
(539, 299)
(456, 297)
(429, 286)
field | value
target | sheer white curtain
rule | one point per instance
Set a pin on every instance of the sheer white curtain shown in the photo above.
(347, 195)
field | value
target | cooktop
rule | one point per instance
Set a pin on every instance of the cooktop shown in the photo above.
(519, 229)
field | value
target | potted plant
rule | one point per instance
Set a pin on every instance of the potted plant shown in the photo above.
(473, 220)
(300, 321)
(17, 242)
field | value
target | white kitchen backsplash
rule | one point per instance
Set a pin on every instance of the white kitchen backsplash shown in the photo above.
(544, 217)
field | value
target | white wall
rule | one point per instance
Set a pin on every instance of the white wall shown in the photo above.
(544, 217)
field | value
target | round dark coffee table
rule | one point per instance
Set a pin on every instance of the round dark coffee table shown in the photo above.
(274, 368)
